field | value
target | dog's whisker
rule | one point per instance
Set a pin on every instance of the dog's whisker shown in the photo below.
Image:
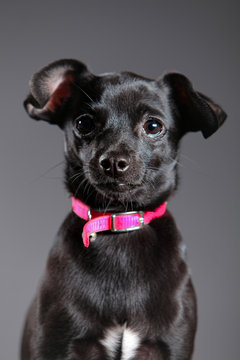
(107, 205)
(90, 193)
(48, 171)
(176, 161)
(76, 174)
(76, 178)
(82, 180)
(85, 188)
(189, 159)
(84, 92)
(89, 188)
(80, 185)
(152, 168)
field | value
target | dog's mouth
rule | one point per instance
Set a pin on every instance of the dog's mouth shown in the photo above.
(117, 186)
(118, 190)
(117, 195)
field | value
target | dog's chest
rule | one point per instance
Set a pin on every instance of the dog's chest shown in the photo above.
(121, 341)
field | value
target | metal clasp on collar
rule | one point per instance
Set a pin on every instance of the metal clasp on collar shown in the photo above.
(130, 228)
(89, 214)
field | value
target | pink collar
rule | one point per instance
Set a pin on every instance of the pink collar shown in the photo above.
(100, 221)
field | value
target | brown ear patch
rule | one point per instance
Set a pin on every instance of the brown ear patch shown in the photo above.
(61, 94)
(51, 89)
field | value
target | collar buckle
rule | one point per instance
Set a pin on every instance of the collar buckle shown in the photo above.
(89, 214)
(125, 220)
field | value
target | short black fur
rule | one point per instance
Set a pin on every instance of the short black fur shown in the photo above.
(122, 135)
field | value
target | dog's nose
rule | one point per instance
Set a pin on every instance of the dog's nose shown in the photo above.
(114, 165)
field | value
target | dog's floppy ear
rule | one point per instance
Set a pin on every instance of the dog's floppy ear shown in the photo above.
(196, 110)
(52, 87)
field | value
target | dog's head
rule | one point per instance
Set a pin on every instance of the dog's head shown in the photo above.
(122, 130)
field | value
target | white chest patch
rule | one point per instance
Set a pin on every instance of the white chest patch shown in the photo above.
(120, 337)
(130, 343)
(112, 340)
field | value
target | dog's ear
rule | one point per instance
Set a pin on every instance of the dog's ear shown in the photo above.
(197, 111)
(51, 89)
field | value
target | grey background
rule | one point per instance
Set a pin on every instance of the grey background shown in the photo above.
(198, 38)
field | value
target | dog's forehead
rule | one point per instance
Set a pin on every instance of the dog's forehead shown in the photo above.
(126, 90)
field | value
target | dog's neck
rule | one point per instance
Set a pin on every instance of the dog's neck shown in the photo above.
(115, 222)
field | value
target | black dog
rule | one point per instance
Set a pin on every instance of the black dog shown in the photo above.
(128, 295)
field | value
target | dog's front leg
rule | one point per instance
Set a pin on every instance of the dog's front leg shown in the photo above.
(159, 351)
(151, 351)
(88, 349)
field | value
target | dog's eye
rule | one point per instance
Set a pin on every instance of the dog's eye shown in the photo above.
(153, 127)
(84, 124)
